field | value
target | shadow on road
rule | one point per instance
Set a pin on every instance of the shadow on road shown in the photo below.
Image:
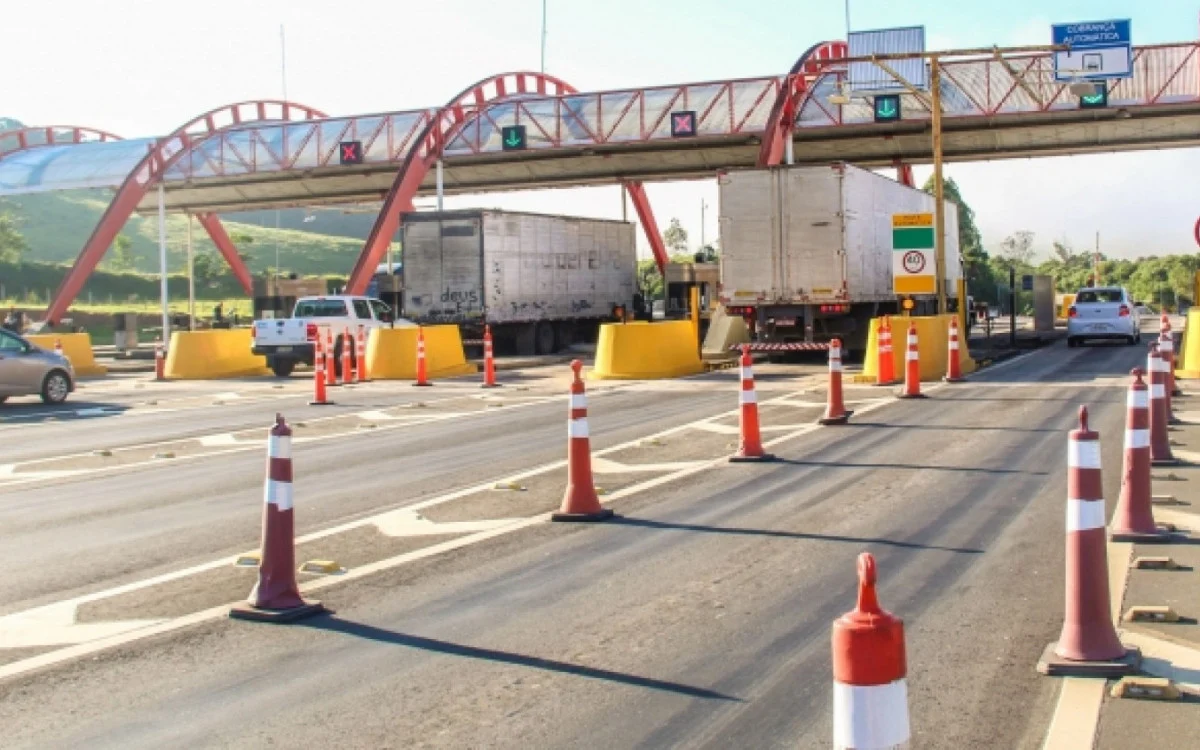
(667, 526)
(36, 411)
(370, 632)
(914, 467)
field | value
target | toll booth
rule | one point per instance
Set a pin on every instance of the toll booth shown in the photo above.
(681, 278)
(276, 297)
(390, 289)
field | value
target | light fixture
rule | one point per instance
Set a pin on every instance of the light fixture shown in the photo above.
(840, 97)
(1083, 88)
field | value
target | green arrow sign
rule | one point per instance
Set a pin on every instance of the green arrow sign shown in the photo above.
(1097, 100)
(513, 137)
(887, 108)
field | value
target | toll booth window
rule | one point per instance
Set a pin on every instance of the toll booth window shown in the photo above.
(361, 309)
(321, 308)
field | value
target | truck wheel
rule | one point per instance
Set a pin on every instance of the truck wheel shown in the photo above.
(282, 367)
(545, 338)
(524, 340)
(564, 335)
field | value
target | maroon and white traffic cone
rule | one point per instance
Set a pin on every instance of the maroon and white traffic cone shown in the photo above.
(870, 672)
(1133, 520)
(835, 409)
(160, 361)
(580, 502)
(276, 596)
(1164, 353)
(1160, 441)
(1088, 644)
(750, 447)
(1167, 347)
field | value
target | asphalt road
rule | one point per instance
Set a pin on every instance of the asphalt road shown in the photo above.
(700, 618)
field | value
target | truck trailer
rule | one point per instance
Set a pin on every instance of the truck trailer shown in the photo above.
(806, 251)
(540, 281)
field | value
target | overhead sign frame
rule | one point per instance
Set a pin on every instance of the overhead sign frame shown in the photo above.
(868, 78)
(1099, 50)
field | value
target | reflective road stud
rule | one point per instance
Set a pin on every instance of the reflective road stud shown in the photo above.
(750, 445)
(953, 363)
(276, 596)
(580, 502)
(1133, 520)
(1160, 442)
(912, 367)
(1088, 644)
(835, 410)
(421, 372)
(870, 689)
(489, 364)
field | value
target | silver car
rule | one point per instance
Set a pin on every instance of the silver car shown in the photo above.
(26, 370)
(1103, 313)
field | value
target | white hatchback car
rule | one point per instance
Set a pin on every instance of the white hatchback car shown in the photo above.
(1103, 313)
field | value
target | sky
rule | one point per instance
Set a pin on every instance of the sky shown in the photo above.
(143, 67)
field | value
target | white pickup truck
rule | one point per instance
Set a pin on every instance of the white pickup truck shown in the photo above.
(289, 341)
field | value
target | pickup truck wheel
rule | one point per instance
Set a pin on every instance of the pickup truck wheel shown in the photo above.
(545, 338)
(282, 367)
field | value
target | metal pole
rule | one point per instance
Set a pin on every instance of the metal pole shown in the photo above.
(939, 196)
(543, 36)
(701, 223)
(1012, 307)
(283, 61)
(789, 152)
(191, 278)
(162, 262)
(440, 186)
(1096, 260)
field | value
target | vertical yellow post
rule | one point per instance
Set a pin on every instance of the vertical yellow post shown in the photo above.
(962, 316)
(1196, 289)
(939, 195)
(694, 301)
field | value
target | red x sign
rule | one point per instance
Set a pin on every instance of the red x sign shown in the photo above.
(351, 152)
(683, 123)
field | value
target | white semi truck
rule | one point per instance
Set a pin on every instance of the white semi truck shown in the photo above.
(540, 281)
(806, 251)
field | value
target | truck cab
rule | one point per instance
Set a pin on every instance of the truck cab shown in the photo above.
(290, 341)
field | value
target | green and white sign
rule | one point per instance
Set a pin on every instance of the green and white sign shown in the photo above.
(914, 265)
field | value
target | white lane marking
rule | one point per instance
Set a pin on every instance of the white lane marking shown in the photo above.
(54, 625)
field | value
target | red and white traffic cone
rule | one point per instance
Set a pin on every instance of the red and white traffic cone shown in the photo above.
(885, 371)
(1168, 347)
(276, 596)
(1164, 353)
(953, 361)
(1133, 520)
(1160, 441)
(347, 354)
(422, 376)
(360, 372)
(835, 409)
(160, 361)
(1088, 644)
(319, 364)
(912, 367)
(58, 346)
(750, 445)
(330, 359)
(580, 502)
(870, 671)
(489, 362)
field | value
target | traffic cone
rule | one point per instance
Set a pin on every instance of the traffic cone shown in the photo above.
(912, 367)
(160, 361)
(330, 362)
(1169, 343)
(1133, 520)
(276, 596)
(870, 669)
(580, 502)
(1164, 352)
(1088, 644)
(953, 362)
(421, 372)
(361, 371)
(347, 351)
(1160, 442)
(58, 346)
(489, 363)
(835, 410)
(750, 446)
(885, 371)
(319, 358)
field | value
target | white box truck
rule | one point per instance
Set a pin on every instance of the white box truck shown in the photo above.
(806, 251)
(540, 281)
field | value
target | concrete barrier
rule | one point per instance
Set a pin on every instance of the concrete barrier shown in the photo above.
(641, 350)
(933, 338)
(210, 355)
(1187, 359)
(1064, 309)
(724, 331)
(77, 347)
(392, 353)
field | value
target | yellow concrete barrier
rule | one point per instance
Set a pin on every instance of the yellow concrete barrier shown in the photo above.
(724, 331)
(1187, 360)
(1067, 301)
(641, 350)
(933, 338)
(392, 353)
(77, 347)
(209, 355)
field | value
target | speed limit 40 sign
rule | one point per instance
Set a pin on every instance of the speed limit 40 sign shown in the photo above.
(912, 257)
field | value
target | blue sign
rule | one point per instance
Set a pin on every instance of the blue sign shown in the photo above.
(1100, 50)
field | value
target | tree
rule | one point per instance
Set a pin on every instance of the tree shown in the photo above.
(675, 238)
(240, 241)
(981, 282)
(122, 254)
(12, 242)
(649, 280)
(205, 268)
(1017, 248)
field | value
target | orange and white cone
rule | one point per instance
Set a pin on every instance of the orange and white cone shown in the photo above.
(835, 409)
(1165, 353)
(953, 360)
(330, 361)
(885, 373)
(1088, 644)
(912, 367)
(489, 362)
(320, 397)
(58, 346)
(1133, 520)
(160, 361)
(1168, 348)
(750, 445)
(580, 502)
(360, 371)
(347, 361)
(422, 373)
(870, 672)
(1160, 441)
(276, 596)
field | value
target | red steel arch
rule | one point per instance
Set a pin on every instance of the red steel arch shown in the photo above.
(427, 149)
(164, 153)
(53, 137)
(818, 59)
